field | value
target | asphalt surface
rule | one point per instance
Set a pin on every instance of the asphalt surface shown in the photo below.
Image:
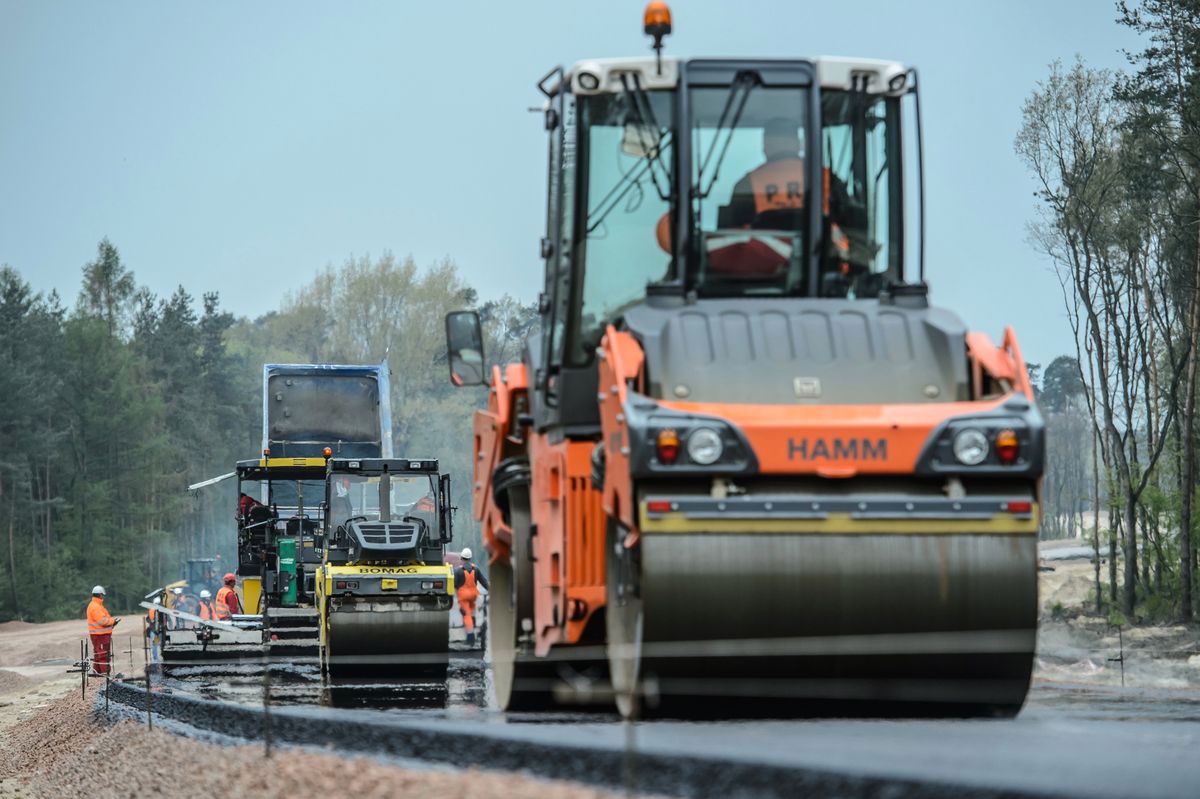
(1069, 740)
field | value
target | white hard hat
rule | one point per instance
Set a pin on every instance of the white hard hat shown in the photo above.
(466, 553)
(176, 590)
(205, 594)
(99, 589)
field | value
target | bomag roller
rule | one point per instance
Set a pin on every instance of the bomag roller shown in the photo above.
(745, 459)
(385, 590)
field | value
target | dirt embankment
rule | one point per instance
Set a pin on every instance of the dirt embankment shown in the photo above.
(1076, 646)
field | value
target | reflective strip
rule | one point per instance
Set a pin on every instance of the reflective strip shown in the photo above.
(276, 462)
(999, 523)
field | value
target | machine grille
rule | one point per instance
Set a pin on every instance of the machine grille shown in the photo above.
(386, 535)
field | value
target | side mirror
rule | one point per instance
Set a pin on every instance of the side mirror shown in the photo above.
(464, 348)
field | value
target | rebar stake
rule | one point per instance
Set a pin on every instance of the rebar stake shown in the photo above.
(149, 715)
(1120, 657)
(267, 705)
(83, 669)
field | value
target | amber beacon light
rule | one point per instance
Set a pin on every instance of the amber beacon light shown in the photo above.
(656, 22)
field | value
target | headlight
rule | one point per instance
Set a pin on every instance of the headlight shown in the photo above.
(704, 446)
(970, 447)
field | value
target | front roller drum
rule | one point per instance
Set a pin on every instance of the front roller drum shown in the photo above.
(389, 644)
(794, 624)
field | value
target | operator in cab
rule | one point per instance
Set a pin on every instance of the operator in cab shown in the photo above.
(771, 196)
(342, 508)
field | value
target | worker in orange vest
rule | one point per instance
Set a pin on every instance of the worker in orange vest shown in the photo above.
(467, 580)
(100, 628)
(154, 628)
(207, 611)
(227, 603)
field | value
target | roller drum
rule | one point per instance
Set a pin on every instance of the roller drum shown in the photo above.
(940, 622)
(392, 642)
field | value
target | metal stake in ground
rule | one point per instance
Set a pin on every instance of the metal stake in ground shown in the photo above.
(83, 669)
(1121, 657)
(128, 651)
(146, 669)
(267, 704)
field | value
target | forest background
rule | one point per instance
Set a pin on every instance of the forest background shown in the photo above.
(114, 405)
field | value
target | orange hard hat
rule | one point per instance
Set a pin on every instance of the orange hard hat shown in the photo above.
(230, 577)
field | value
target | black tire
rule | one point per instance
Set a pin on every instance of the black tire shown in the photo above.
(521, 681)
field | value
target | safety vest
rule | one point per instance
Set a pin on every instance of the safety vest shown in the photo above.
(206, 610)
(222, 604)
(778, 185)
(467, 592)
(99, 621)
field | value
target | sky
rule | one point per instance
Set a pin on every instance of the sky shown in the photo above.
(242, 147)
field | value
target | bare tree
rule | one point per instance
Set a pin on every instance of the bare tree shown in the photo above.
(1071, 138)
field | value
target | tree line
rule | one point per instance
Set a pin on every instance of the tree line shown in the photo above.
(114, 405)
(1116, 160)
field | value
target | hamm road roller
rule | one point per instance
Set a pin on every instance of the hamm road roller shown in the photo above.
(746, 460)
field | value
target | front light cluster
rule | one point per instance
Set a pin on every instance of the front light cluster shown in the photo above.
(704, 446)
(972, 446)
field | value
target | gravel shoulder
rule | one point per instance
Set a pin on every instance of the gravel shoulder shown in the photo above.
(52, 745)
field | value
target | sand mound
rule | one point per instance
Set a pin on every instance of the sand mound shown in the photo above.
(12, 683)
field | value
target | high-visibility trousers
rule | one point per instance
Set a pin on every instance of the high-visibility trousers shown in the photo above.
(467, 606)
(101, 652)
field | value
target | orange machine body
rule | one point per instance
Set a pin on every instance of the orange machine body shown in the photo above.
(833, 442)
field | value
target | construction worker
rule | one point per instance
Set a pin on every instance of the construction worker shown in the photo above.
(227, 603)
(100, 628)
(343, 507)
(772, 195)
(207, 611)
(177, 603)
(467, 581)
(153, 628)
(246, 503)
(186, 603)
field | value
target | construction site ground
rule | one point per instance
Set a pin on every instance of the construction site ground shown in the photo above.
(51, 743)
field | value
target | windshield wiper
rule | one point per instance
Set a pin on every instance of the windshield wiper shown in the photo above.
(740, 89)
(647, 118)
(637, 98)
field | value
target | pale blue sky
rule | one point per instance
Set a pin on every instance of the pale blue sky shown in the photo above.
(243, 146)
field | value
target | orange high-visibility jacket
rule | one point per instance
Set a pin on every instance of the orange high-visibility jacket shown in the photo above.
(222, 603)
(206, 610)
(98, 618)
(468, 592)
(778, 185)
